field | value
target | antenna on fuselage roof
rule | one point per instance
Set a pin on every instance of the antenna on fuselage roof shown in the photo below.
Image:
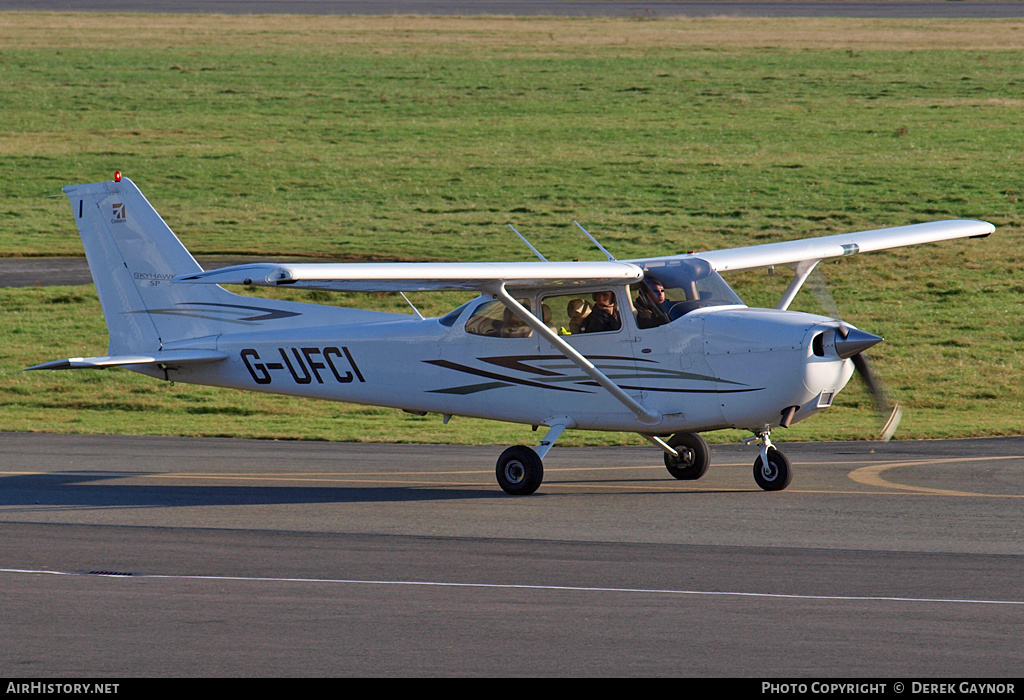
(415, 310)
(594, 241)
(528, 244)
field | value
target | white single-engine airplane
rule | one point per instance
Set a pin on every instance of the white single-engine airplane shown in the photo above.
(658, 346)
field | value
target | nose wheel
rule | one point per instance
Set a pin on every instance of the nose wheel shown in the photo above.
(772, 469)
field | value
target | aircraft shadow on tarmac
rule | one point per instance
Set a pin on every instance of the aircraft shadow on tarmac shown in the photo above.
(58, 489)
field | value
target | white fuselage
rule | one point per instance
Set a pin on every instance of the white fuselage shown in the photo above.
(719, 367)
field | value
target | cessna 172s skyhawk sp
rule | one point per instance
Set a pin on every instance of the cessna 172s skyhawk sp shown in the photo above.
(657, 346)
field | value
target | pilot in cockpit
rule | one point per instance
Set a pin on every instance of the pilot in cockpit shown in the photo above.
(650, 310)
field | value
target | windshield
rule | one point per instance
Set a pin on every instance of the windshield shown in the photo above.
(688, 284)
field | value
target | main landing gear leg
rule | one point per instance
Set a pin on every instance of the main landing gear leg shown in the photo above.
(520, 470)
(772, 470)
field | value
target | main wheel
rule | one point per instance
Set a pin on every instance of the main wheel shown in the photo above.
(776, 475)
(519, 471)
(694, 456)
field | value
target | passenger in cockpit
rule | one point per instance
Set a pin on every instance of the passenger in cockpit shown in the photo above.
(605, 314)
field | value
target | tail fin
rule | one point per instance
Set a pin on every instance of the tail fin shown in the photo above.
(133, 255)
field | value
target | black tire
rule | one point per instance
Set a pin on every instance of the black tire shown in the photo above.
(519, 471)
(694, 456)
(778, 474)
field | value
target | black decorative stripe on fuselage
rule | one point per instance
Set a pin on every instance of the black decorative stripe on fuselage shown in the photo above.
(186, 308)
(491, 375)
(548, 378)
(680, 391)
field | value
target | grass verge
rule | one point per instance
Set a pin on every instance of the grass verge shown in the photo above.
(421, 138)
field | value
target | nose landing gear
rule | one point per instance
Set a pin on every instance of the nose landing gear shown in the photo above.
(772, 469)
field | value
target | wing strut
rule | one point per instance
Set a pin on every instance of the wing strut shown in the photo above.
(643, 415)
(801, 270)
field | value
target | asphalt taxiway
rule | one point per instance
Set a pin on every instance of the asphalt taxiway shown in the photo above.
(143, 556)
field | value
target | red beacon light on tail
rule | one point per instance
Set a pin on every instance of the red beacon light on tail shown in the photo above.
(117, 176)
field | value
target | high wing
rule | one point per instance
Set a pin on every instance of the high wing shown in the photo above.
(804, 255)
(412, 277)
(409, 277)
(839, 245)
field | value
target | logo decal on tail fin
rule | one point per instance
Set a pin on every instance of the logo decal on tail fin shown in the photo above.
(119, 215)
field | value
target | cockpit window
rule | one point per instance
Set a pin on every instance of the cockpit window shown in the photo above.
(495, 319)
(672, 288)
(572, 314)
(452, 316)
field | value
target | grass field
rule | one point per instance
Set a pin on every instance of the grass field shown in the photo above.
(421, 138)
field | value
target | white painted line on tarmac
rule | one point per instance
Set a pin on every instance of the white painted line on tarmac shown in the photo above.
(516, 586)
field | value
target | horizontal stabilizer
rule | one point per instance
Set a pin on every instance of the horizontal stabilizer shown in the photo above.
(170, 357)
(412, 277)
